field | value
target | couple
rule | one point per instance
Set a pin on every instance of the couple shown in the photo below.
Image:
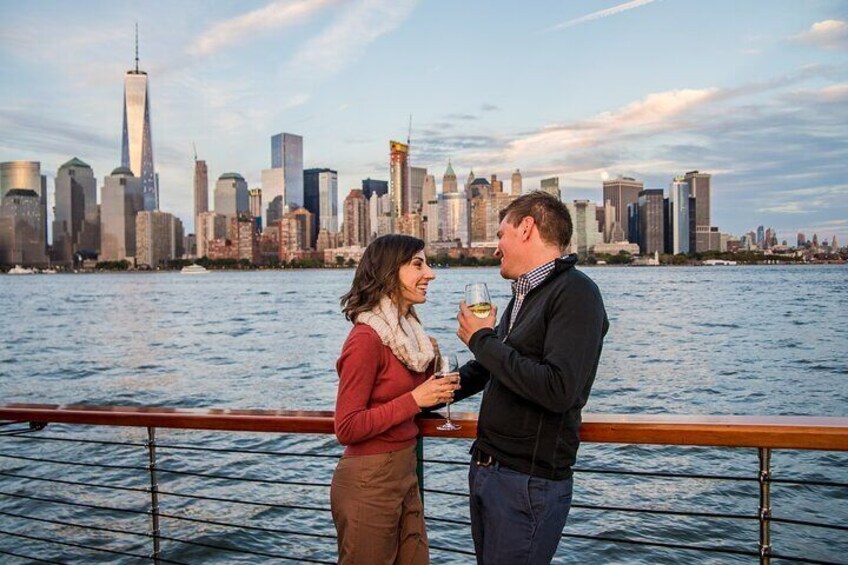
(536, 368)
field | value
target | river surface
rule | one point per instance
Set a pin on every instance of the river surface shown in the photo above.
(724, 340)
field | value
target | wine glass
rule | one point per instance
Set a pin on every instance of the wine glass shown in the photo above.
(448, 367)
(478, 300)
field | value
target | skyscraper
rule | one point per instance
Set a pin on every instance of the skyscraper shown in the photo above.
(621, 192)
(231, 195)
(585, 233)
(356, 219)
(201, 189)
(399, 177)
(699, 185)
(210, 226)
(453, 217)
(285, 177)
(158, 237)
(371, 187)
(20, 226)
(679, 194)
(551, 186)
(428, 192)
(449, 184)
(122, 199)
(321, 195)
(26, 175)
(516, 183)
(650, 212)
(137, 139)
(417, 176)
(75, 221)
(254, 198)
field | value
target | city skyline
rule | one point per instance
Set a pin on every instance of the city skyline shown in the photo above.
(762, 108)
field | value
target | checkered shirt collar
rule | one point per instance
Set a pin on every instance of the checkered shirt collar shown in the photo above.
(531, 279)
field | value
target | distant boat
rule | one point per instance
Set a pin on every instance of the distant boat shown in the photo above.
(194, 270)
(18, 270)
(718, 262)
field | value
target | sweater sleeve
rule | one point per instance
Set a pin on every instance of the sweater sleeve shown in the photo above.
(571, 349)
(359, 366)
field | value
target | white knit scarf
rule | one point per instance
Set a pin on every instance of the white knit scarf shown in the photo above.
(404, 335)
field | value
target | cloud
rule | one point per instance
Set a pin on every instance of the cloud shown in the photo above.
(276, 15)
(489, 108)
(601, 14)
(39, 134)
(828, 34)
(345, 40)
(465, 117)
(654, 114)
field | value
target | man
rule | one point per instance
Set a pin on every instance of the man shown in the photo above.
(536, 369)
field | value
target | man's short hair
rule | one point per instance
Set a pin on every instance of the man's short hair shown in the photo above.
(550, 214)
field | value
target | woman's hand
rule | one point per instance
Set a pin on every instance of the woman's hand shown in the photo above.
(435, 391)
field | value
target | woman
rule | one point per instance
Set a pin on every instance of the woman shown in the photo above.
(385, 379)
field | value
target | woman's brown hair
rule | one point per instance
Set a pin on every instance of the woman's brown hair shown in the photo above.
(377, 273)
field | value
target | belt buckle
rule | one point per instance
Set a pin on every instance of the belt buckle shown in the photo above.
(480, 462)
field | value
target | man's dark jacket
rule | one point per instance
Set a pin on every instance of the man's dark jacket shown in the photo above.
(537, 380)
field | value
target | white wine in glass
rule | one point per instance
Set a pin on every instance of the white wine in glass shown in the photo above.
(448, 367)
(478, 300)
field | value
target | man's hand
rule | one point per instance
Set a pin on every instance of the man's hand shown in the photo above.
(469, 323)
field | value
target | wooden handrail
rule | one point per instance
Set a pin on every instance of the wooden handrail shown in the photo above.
(778, 432)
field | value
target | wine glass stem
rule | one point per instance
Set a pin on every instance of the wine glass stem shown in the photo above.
(449, 416)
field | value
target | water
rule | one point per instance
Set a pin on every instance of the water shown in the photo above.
(737, 340)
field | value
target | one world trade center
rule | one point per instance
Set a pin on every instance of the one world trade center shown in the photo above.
(137, 146)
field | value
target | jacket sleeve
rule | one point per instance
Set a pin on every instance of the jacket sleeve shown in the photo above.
(576, 326)
(472, 379)
(358, 366)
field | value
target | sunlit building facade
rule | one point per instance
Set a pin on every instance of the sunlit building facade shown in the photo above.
(26, 175)
(137, 138)
(76, 226)
(231, 195)
(122, 199)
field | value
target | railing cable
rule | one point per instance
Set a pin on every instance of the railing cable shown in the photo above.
(167, 492)
(246, 527)
(658, 474)
(76, 463)
(75, 524)
(796, 559)
(89, 547)
(725, 550)
(28, 557)
(246, 479)
(185, 447)
(247, 551)
(451, 550)
(77, 504)
(73, 483)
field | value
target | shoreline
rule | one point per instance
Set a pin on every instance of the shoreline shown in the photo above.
(435, 266)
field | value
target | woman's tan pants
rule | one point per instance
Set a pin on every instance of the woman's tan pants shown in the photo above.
(377, 510)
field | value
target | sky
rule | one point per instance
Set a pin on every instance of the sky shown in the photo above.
(755, 93)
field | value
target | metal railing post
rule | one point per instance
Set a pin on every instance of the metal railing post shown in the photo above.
(765, 505)
(154, 492)
(419, 467)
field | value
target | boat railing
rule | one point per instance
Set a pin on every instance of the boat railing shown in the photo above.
(64, 489)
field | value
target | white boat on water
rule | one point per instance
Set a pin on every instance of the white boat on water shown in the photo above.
(194, 270)
(18, 270)
(718, 262)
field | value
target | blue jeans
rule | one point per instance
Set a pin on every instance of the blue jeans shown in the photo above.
(516, 518)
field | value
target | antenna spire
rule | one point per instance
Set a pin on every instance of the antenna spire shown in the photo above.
(136, 47)
(194, 146)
